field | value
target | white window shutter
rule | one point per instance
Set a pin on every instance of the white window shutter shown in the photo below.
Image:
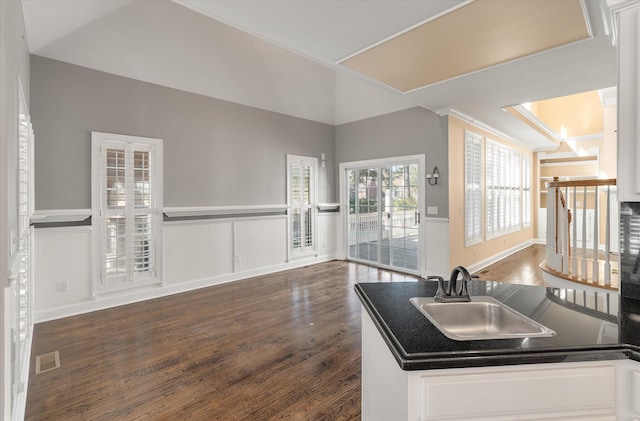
(473, 188)
(526, 192)
(127, 209)
(503, 189)
(301, 179)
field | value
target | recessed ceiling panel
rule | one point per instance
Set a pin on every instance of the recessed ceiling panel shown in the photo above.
(479, 35)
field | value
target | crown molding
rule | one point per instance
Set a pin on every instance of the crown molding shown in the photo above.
(532, 120)
(618, 5)
(610, 9)
(452, 111)
(608, 96)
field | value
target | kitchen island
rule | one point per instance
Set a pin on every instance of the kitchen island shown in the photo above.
(589, 370)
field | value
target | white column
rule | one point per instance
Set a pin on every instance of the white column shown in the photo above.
(574, 262)
(628, 40)
(607, 242)
(596, 265)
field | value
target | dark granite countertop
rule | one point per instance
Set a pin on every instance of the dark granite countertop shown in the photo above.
(587, 326)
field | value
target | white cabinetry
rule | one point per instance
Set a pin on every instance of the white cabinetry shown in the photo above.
(531, 392)
(628, 101)
(628, 390)
(587, 391)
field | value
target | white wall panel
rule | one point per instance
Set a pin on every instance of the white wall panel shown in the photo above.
(260, 243)
(62, 255)
(197, 250)
(196, 254)
(437, 246)
(328, 233)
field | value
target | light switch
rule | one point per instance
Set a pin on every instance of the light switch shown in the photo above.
(432, 210)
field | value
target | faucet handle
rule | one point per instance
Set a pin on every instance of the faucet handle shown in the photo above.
(440, 293)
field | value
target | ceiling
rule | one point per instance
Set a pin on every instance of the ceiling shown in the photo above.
(285, 55)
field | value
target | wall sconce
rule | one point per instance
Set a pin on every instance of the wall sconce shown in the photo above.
(434, 177)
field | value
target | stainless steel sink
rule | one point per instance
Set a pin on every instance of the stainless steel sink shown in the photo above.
(481, 318)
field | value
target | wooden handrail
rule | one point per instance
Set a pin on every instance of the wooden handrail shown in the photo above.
(563, 248)
(582, 183)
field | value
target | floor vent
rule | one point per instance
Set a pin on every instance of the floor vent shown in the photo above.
(47, 362)
(484, 272)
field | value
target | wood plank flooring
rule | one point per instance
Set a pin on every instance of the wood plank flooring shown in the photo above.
(282, 346)
(522, 267)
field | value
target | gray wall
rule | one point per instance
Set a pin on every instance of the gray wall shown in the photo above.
(216, 153)
(408, 132)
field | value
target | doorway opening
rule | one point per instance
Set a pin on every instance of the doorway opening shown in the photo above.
(385, 199)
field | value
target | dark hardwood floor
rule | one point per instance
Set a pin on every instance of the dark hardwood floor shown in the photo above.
(281, 346)
(522, 267)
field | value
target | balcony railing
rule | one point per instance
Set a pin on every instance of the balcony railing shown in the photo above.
(582, 233)
(364, 227)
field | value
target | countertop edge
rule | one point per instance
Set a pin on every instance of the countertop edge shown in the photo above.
(427, 361)
(394, 346)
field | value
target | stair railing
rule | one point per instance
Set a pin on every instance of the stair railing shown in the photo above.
(579, 240)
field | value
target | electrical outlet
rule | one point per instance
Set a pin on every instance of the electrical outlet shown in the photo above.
(62, 286)
(237, 258)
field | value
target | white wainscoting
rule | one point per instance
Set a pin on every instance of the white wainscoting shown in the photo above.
(260, 243)
(328, 239)
(437, 246)
(61, 255)
(196, 254)
(197, 250)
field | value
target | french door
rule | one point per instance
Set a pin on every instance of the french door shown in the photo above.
(383, 222)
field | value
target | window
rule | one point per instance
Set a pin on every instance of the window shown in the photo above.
(472, 188)
(20, 245)
(126, 210)
(526, 192)
(301, 173)
(503, 178)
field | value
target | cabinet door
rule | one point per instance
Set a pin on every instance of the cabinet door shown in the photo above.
(584, 392)
(635, 393)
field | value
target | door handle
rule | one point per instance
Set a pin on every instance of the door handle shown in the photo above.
(417, 217)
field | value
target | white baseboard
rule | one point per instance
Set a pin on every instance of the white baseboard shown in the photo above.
(110, 301)
(497, 257)
(20, 406)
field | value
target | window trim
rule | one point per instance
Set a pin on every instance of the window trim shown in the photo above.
(304, 251)
(513, 153)
(99, 139)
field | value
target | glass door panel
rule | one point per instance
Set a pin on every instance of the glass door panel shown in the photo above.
(363, 223)
(383, 221)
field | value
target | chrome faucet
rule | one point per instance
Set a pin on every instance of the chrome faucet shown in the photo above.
(453, 293)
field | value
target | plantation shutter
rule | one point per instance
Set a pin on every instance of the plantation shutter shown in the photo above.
(473, 188)
(302, 202)
(526, 192)
(128, 212)
(503, 185)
